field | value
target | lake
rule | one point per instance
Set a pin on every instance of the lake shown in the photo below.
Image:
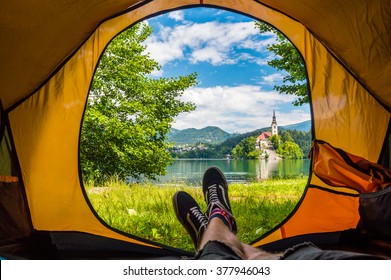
(192, 170)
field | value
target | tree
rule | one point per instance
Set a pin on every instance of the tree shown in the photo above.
(285, 146)
(303, 139)
(129, 113)
(276, 140)
(246, 149)
(286, 136)
(290, 150)
(289, 59)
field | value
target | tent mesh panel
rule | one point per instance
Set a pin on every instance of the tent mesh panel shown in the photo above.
(14, 216)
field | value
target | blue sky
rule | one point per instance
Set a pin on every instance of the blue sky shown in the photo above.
(235, 84)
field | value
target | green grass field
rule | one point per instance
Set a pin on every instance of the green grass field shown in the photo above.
(146, 210)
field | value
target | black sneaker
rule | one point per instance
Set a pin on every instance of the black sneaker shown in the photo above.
(215, 188)
(190, 216)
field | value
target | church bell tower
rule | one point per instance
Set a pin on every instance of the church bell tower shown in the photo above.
(274, 124)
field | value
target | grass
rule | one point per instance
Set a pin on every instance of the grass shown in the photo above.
(146, 210)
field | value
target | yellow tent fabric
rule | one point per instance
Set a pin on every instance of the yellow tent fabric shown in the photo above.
(49, 51)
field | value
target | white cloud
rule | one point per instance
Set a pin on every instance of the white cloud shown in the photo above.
(272, 79)
(212, 42)
(163, 53)
(264, 61)
(212, 55)
(259, 45)
(176, 15)
(237, 109)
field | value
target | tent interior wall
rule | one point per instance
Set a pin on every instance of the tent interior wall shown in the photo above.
(49, 53)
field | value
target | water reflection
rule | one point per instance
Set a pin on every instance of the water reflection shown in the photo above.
(191, 171)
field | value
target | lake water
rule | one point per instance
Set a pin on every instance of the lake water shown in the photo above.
(192, 170)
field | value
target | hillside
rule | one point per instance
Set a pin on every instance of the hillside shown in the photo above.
(302, 126)
(190, 136)
(215, 135)
(298, 131)
(221, 142)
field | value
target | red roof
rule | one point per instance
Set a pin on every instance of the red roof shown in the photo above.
(264, 135)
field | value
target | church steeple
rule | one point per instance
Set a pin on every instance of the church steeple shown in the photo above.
(274, 125)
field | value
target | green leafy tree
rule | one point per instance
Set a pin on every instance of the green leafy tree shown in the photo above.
(290, 150)
(246, 149)
(285, 146)
(286, 136)
(129, 113)
(287, 58)
(303, 139)
(276, 140)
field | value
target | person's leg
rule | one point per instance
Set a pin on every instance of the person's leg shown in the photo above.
(222, 225)
(214, 238)
(218, 232)
(196, 224)
(308, 251)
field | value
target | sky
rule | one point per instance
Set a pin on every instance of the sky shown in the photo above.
(235, 83)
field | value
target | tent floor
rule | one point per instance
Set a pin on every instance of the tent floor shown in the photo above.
(348, 240)
(79, 246)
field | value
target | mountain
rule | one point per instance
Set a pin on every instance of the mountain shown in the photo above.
(209, 134)
(215, 135)
(303, 126)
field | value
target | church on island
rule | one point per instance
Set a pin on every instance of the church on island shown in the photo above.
(263, 143)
